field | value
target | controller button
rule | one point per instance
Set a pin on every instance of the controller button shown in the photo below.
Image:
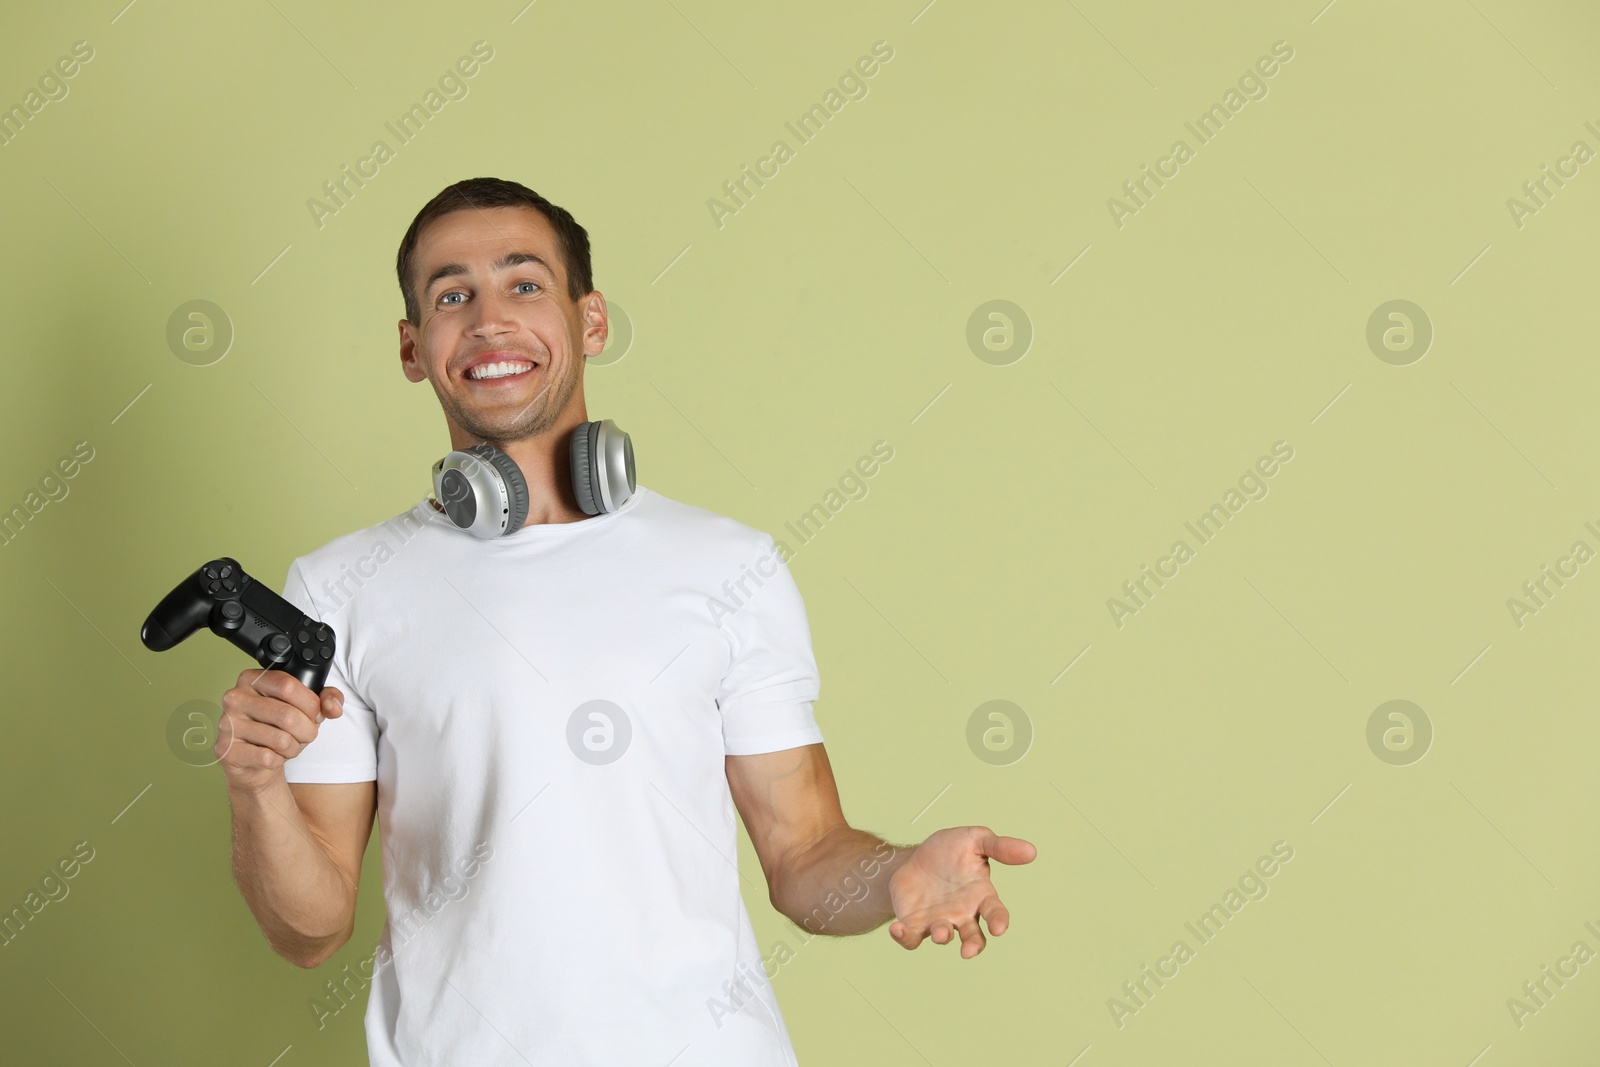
(322, 633)
(226, 570)
(211, 571)
(214, 586)
(308, 654)
(303, 637)
(232, 609)
(327, 653)
(230, 585)
(278, 643)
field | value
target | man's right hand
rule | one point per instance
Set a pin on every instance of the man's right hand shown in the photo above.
(269, 717)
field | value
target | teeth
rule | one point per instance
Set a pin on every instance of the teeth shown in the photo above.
(497, 370)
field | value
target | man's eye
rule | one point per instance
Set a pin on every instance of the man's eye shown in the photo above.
(445, 298)
(521, 284)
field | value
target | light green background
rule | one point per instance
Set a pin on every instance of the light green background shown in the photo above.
(823, 317)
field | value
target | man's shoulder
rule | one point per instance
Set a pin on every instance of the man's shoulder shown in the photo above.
(379, 542)
(695, 525)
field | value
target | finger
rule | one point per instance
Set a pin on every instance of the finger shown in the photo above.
(225, 737)
(972, 940)
(995, 915)
(283, 686)
(903, 935)
(247, 759)
(263, 735)
(942, 933)
(1009, 850)
(286, 717)
(249, 678)
(332, 704)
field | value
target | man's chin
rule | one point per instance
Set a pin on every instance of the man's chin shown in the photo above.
(510, 418)
(507, 431)
(512, 427)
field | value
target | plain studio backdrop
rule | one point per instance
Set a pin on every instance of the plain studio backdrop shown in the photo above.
(1370, 268)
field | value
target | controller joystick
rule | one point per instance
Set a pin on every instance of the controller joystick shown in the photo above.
(223, 598)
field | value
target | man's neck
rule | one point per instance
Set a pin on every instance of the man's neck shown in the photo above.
(546, 466)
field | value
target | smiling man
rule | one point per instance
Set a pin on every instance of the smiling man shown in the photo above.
(553, 729)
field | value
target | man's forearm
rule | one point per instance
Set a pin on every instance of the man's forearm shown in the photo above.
(299, 896)
(840, 885)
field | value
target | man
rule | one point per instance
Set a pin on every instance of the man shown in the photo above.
(557, 725)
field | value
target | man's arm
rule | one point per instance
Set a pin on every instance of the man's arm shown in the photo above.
(830, 878)
(297, 848)
(297, 852)
(822, 874)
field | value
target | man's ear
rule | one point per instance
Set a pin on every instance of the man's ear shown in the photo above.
(596, 323)
(410, 361)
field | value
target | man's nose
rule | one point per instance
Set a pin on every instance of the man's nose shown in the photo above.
(493, 314)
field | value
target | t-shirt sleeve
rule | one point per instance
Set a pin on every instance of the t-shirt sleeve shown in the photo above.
(767, 693)
(346, 748)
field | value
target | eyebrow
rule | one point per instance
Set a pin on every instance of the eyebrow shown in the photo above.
(510, 259)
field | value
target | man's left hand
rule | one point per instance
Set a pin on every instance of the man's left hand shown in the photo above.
(943, 888)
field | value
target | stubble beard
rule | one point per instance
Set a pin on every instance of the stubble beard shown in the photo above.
(538, 416)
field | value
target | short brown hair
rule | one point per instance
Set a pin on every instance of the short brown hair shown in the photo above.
(496, 192)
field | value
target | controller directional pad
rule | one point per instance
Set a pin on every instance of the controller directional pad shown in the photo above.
(221, 577)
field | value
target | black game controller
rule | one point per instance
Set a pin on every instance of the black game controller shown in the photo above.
(235, 606)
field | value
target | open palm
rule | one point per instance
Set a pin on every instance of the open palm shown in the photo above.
(943, 888)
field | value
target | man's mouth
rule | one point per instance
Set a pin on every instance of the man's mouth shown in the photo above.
(499, 370)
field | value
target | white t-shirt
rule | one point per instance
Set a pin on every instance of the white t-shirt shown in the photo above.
(546, 715)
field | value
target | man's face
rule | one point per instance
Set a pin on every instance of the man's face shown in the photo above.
(492, 288)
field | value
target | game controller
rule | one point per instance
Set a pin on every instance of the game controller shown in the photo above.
(273, 631)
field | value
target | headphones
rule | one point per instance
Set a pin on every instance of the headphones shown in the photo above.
(484, 493)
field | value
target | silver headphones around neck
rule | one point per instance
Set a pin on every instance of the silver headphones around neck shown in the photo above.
(483, 491)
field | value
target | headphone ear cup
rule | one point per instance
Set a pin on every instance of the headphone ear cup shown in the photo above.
(511, 478)
(585, 478)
